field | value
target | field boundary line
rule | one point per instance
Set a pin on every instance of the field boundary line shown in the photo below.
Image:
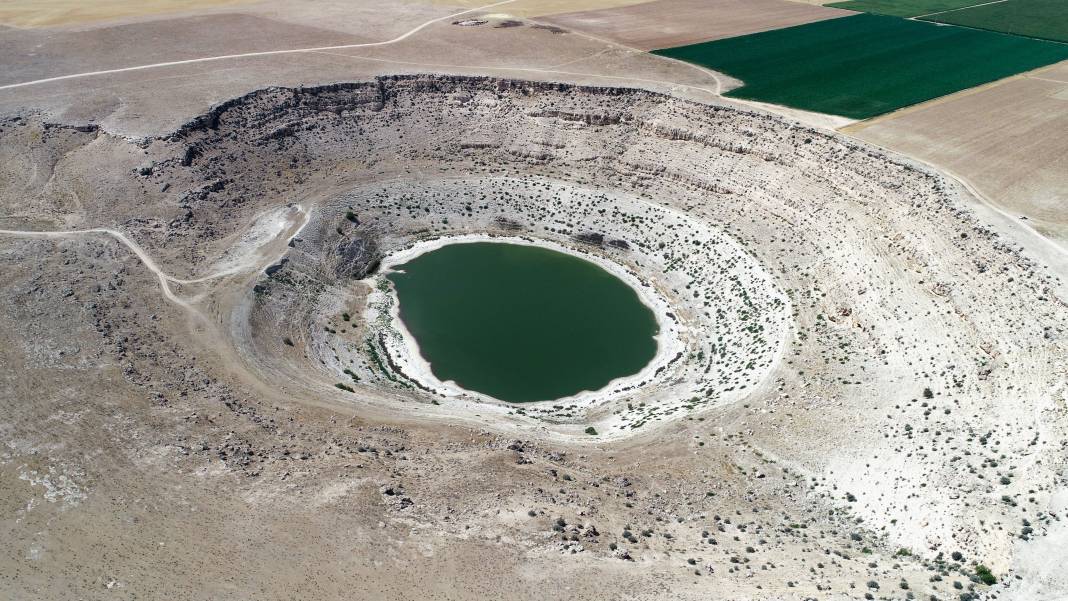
(953, 10)
(863, 123)
(923, 19)
(192, 61)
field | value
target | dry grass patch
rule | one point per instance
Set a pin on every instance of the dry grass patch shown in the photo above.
(52, 13)
(1002, 138)
(538, 8)
(668, 23)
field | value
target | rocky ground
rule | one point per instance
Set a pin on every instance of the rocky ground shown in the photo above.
(899, 433)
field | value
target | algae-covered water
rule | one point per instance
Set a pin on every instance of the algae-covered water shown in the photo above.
(522, 323)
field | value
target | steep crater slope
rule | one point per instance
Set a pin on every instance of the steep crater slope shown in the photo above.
(855, 319)
(723, 320)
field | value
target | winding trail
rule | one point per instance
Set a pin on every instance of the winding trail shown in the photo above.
(206, 59)
(165, 280)
(718, 90)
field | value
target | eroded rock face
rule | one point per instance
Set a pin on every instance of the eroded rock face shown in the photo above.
(908, 381)
(723, 320)
(356, 257)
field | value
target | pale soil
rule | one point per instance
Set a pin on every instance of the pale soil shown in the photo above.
(131, 421)
(79, 14)
(154, 101)
(65, 52)
(1001, 138)
(51, 13)
(669, 23)
(539, 8)
(178, 448)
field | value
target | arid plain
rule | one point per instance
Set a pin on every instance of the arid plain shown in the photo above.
(866, 397)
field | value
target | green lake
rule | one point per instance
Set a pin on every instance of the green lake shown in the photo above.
(522, 323)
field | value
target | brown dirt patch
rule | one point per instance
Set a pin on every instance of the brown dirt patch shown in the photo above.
(35, 54)
(536, 8)
(52, 13)
(1004, 139)
(668, 23)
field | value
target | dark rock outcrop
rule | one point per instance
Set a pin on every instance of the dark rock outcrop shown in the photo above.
(356, 257)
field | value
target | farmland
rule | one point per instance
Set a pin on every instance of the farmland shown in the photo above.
(866, 64)
(1009, 159)
(903, 8)
(1045, 19)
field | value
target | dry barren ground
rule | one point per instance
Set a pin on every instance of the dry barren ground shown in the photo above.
(160, 98)
(916, 411)
(36, 53)
(884, 410)
(1002, 138)
(669, 23)
(73, 13)
(144, 84)
(540, 8)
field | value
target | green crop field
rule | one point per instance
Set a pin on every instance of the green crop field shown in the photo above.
(866, 65)
(903, 8)
(1046, 19)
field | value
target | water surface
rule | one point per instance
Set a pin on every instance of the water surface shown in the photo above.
(522, 323)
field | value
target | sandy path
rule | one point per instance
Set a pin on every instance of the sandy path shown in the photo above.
(717, 90)
(251, 261)
(164, 279)
(399, 38)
